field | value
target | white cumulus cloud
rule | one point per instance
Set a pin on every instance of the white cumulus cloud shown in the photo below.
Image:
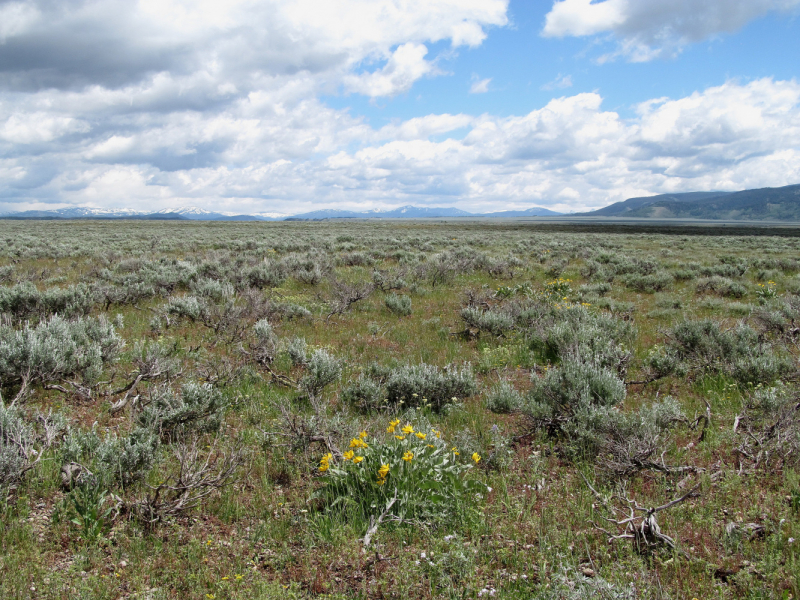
(647, 29)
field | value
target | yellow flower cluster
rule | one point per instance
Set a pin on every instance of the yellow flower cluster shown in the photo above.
(476, 457)
(358, 443)
(324, 463)
(407, 429)
(392, 425)
(408, 456)
(383, 472)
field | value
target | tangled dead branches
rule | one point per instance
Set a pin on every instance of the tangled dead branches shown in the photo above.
(197, 476)
(636, 522)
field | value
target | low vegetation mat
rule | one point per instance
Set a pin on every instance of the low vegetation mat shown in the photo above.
(415, 409)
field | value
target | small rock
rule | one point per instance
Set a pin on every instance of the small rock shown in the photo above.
(123, 564)
(588, 572)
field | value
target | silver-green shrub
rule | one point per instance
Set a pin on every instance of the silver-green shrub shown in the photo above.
(25, 301)
(416, 384)
(322, 370)
(198, 407)
(57, 350)
(297, 349)
(503, 398)
(17, 440)
(721, 286)
(740, 352)
(109, 461)
(495, 322)
(398, 304)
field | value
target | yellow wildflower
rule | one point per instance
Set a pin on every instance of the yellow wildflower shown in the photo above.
(408, 456)
(324, 462)
(383, 471)
(476, 457)
(238, 577)
(421, 436)
(394, 423)
(400, 437)
(348, 455)
(362, 435)
(390, 429)
(455, 451)
(358, 459)
(408, 429)
(358, 443)
(380, 481)
(438, 433)
(430, 446)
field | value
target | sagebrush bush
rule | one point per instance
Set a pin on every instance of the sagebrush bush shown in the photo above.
(704, 346)
(721, 286)
(503, 398)
(495, 322)
(322, 370)
(410, 386)
(198, 407)
(214, 290)
(649, 283)
(398, 304)
(568, 395)
(577, 333)
(627, 442)
(364, 394)
(266, 342)
(265, 276)
(25, 301)
(17, 440)
(110, 461)
(56, 350)
(415, 385)
(297, 349)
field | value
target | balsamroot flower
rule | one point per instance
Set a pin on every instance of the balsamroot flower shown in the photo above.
(324, 463)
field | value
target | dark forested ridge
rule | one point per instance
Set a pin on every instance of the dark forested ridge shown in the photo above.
(768, 204)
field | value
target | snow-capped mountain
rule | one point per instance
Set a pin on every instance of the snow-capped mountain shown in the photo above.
(193, 213)
(190, 212)
(404, 212)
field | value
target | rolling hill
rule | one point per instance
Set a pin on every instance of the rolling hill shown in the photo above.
(765, 204)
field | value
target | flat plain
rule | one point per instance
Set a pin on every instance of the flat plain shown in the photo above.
(409, 409)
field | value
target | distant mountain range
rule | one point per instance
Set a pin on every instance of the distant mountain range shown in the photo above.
(191, 213)
(766, 204)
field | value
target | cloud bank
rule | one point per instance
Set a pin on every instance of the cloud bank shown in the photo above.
(153, 105)
(648, 29)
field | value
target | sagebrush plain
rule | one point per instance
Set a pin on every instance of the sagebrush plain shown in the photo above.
(410, 409)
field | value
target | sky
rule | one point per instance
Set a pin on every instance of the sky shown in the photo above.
(287, 106)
